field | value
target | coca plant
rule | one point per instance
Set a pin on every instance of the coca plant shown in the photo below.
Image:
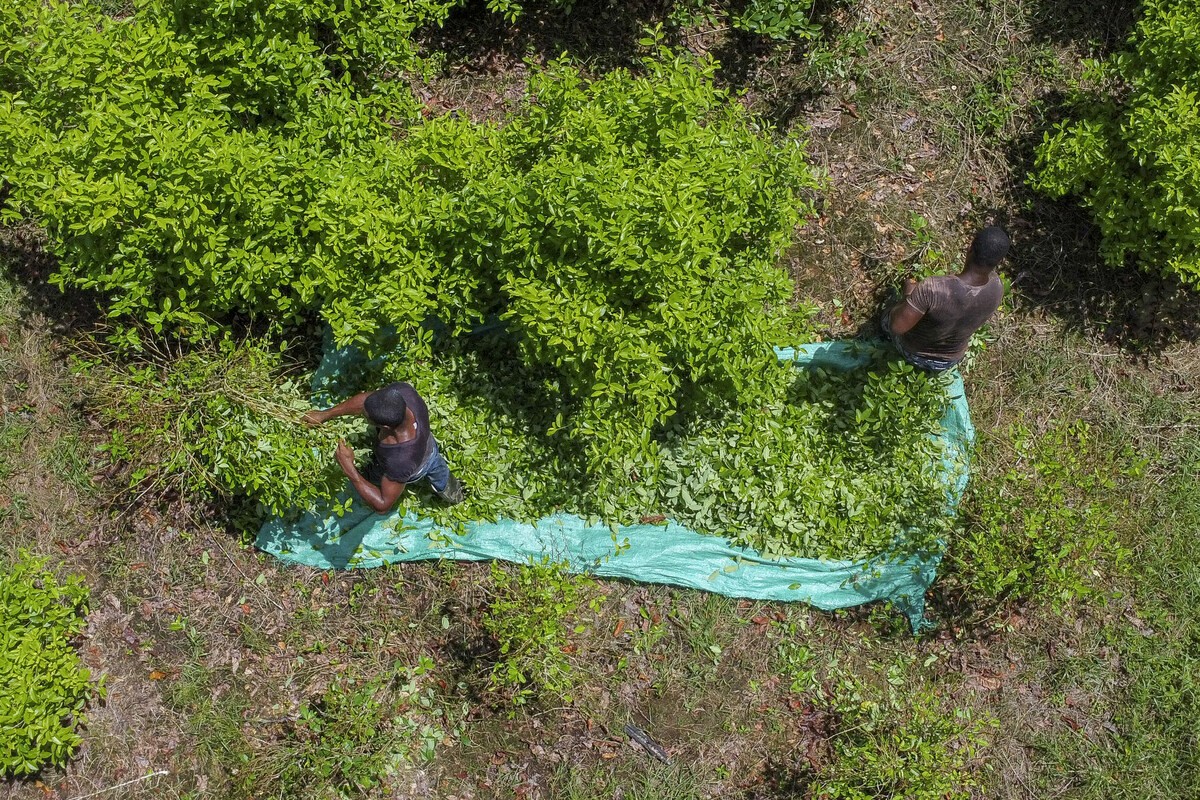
(628, 229)
(1130, 154)
(192, 168)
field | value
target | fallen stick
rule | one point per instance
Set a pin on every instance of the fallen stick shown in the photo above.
(649, 745)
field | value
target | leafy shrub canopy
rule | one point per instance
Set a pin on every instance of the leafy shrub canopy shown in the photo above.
(1135, 157)
(43, 685)
(625, 228)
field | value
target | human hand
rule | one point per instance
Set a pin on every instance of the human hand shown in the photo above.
(344, 455)
(312, 418)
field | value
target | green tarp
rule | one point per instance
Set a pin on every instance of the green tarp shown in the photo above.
(669, 554)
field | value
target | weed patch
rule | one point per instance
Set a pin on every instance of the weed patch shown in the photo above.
(354, 738)
(915, 748)
(1147, 658)
(901, 739)
(532, 613)
(1047, 526)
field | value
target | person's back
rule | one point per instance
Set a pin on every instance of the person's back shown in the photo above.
(402, 457)
(952, 310)
(932, 325)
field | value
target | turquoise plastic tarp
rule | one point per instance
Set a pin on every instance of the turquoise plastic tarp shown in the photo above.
(667, 554)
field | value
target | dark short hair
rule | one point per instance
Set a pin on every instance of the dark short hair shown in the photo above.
(386, 406)
(989, 247)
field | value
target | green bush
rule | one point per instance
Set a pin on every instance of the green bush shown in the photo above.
(1046, 525)
(627, 231)
(185, 196)
(625, 228)
(43, 686)
(277, 58)
(1131, 155)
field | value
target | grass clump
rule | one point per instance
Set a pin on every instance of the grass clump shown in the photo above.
(640, 782)
(43, 686)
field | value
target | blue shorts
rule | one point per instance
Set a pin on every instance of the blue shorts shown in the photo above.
(435, 469)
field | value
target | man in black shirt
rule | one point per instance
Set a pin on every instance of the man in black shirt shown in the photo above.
(932, 324)
(405, 452)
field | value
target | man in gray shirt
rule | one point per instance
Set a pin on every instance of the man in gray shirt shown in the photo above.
(932, 324)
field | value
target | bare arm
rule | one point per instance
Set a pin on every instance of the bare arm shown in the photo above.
(380, 498)
(353, 405)
(903, 316)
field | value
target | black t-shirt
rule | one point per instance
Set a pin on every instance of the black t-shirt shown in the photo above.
(401, 461)
(953, 309)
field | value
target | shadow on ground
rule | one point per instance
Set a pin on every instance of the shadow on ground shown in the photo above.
(24, 256)
(601, 33)
(1056, 266)
(1100, 29)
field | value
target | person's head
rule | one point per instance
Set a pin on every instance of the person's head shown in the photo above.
(386, 407)
(988, 249)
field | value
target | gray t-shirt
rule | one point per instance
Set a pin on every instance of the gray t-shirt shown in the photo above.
(953, 309)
